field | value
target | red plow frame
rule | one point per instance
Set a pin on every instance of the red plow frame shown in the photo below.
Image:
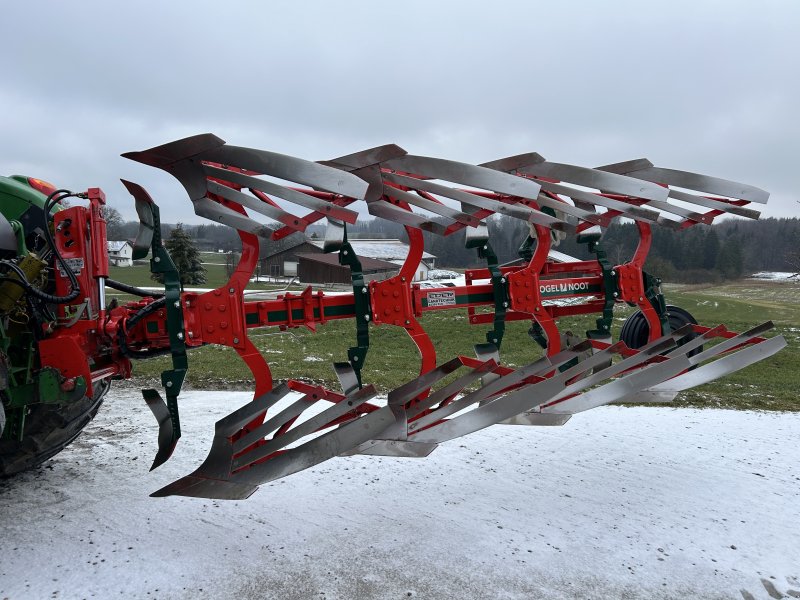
(456, 397)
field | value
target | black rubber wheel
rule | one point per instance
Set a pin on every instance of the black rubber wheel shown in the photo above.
(49, 428)
(636, 330)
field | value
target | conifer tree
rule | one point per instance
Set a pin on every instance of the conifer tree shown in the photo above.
(185, 256)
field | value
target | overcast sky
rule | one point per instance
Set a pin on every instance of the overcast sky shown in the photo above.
(711, 87)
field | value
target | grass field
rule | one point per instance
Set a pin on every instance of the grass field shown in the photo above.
(214, 263)
(393, 359)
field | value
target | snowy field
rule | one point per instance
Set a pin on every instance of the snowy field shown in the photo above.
(619, 503)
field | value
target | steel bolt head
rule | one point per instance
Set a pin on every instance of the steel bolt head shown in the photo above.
(177, 304)
(235, 340)
(157, 259)
(169, 384)
(180, 335)
(231, 290)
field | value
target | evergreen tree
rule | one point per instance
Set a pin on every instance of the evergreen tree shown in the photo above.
(185, 256)
(729, 260)
(710, 249)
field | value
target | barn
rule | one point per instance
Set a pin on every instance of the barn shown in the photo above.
(393, 251)
(325, 268)
(282, 258)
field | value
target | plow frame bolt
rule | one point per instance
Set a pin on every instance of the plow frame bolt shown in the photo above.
(616, 294)
(363, 290)
(180, 335)
(236, 340)
(169, 384)
(641, 299)
(157, 259)
(177, 304)
(231, 290)
(502, 280)
(366, 317)
(613, 272)
(191, 334)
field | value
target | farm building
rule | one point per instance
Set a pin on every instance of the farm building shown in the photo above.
(325, 268)
(120, 253)
(282, 258)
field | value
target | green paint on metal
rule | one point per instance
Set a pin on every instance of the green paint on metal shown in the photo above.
(171, 379)
(609, 287)
(499, 289)
(357, 354)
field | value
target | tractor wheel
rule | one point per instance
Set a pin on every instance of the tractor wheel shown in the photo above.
(49, 428)
(636, 331)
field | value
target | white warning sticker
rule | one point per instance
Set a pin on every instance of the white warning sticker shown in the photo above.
(441, 298)
(75, 265)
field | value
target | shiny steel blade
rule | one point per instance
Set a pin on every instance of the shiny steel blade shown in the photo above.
(597, 179)
(588, 198)
(518, 211)
(366, 158)
(296, 197)
(253, 203)
(721, 367)
(214, 211)
(465, 174)
(144, 209)
(289, 168)
(305, 428)
(696, 181)
(166, 433)
(387, 211)
(619, 388)
(431, 206)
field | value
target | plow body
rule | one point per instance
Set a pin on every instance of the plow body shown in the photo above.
(293, 425)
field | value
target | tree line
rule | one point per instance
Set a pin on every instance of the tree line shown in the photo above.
(730, 249)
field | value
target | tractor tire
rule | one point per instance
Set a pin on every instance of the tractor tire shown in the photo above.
(49, 428)
(636, 331)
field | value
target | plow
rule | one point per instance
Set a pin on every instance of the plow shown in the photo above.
(62, 342)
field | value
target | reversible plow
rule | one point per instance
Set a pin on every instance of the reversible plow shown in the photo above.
(294, 425)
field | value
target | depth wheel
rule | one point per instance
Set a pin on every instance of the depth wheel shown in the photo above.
(636, 330)
(49, 428)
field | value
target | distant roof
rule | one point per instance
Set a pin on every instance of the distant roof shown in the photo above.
(273, 247)
(367, 264)
(116, 246)
(379, 249)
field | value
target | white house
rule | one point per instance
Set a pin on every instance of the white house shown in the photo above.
(120, 254)
(393, 251)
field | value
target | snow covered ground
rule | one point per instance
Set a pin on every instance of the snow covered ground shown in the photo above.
(619, 503)
(781, 276)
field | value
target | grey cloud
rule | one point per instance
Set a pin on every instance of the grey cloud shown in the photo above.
(710, 87)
